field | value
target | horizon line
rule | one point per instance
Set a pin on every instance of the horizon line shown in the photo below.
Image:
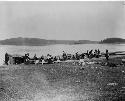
(61, 39)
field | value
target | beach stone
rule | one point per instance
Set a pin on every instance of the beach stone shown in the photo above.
(123, 60)
(123, 71)
(112, 84)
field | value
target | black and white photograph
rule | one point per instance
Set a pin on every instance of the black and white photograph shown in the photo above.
(62, 50)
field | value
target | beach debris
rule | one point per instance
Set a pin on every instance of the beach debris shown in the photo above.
(82, 62)
(112, 84)
(82, 67)
(78, 81)
(123, 60)
(92, 67)
(123, 87)
(90, 63)
(37, 61)
(58, 61)
(123, 71)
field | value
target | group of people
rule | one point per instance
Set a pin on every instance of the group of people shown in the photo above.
(89, 54)
(49, 59)
(92, 54)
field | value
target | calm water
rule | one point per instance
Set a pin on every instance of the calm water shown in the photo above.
(56, 49)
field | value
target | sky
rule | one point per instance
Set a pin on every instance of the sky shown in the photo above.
(62, 20)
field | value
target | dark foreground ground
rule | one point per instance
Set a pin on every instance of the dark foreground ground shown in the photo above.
(64, 82)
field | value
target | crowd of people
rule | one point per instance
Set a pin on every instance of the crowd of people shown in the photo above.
(49, 59)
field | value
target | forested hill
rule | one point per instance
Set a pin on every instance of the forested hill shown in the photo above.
(113, 40)
(40, 42)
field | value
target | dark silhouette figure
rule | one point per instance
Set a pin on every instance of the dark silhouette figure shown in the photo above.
(82, 56)
(98, 51)
(87, 54)
(64, 56)
(55, 58)
(77, 56)
(35, 57)
(95, 53)
(6, 58)
(49, 59)
(73, 57)
(107, 55)
(90, 54)
(26, 58)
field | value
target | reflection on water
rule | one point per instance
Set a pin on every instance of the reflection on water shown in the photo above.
(56, 49)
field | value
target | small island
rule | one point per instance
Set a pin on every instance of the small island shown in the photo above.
(113, 41)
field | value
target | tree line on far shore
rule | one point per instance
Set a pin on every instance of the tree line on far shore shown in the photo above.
(113, 40)
(40, 42)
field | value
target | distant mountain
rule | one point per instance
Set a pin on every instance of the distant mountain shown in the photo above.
(113, 40)
(40, 42)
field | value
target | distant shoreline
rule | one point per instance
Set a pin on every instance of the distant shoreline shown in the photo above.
(43, 42)
(61, 44)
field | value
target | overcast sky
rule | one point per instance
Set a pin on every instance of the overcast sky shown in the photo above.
(62, 20)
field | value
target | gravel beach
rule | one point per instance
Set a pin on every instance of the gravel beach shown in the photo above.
(98, 81)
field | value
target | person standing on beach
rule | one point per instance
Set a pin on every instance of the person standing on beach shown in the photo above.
(35, 57)
(64, 56)
(26, 58)
(107, 55)
(95, 53)
(91, 54)
(87, 54)
(77, 56)
(49, 59)
(82, 56)
(6, 58)
(98, 51)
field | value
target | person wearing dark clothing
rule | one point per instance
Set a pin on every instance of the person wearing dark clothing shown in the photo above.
(55, 58)
(35, 58)
(41, 58)
(107, 55)
(95, 53)
(73, 57)
(26, 58)
(6, 58)
(98, 51)
(64, 56)
(90, 54)
(87, 54)
(49, 59)
(82, 56)
(77, 56)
